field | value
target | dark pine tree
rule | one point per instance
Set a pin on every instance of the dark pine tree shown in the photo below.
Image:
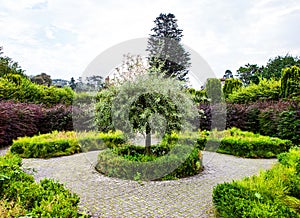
(165, 50)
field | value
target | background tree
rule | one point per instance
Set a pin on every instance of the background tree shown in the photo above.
(72, 83)
(8, 66)
(42, 79)
(164, 47)
(249, 73)
(228, 74)
(275, 66)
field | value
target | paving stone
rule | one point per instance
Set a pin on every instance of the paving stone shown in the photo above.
(110, 197)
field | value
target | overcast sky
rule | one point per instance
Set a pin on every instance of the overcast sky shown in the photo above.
(61, 37)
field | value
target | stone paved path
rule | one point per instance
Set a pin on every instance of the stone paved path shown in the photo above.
(109, 197)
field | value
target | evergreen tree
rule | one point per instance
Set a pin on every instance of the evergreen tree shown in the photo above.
(165, 49)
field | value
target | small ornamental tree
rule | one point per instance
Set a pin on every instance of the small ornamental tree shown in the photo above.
(151, 104)
(164, 47)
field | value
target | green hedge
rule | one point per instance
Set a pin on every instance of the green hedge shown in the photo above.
(247, 144)
(20, 195)
(265, 90)
(273, 193)
(64, 143)
(20, 89)
(166, 161)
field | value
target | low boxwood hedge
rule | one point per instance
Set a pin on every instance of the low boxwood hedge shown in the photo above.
(165, 161)
(20, 195)
(247, 144)
(273, 193)
(64, 143)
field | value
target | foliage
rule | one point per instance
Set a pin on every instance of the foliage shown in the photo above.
(164, 47)
(265, 90)
(250, 73)
(253, 146)
(231, 85)
(131, 67)
(25, 197)
(228, 74)
(128, 161)
(152, 103)
(18, 119)
(198, 96)
(214, 90)
(290, 82)
(8, 66)
(22, 119)
(289, 123)
(275, 66)
(273, 193)
(17, 88)
(103, 117)
(64, 143)
(42, 79)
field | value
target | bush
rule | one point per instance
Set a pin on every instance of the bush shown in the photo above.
(27, 198)
(231, 85)
(265, 90)
(273, 193)
(58, 117)
(18, 119)
(290, 82)
(247, 144)
(130, 161)
(22, 119)
(21, 89)
(64, 143)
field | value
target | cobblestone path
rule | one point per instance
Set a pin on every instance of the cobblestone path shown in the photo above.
(109, 197)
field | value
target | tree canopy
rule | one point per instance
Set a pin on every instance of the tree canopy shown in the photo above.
(164, 47)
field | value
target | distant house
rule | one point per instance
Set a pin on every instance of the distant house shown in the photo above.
(60, 83)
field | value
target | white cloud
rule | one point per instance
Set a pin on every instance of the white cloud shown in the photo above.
(61, 37)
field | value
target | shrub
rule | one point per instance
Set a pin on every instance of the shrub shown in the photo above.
(128, 161)
(58, 117)
(265, 90)
(290, 82)
(45, 199)
(21, 89)
(153, 168)
(289, 123)
(64, 143)
(231, 85)
(246, 144)
(22, 119)
(18, 119)
(214, 90)
(273, 193)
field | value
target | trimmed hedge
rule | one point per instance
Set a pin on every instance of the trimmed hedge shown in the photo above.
(177, 156)
(132, 163)
(20, 195)
(273, 193)
(64, 143)
(270, 118)
(22, 119)
(247, 144)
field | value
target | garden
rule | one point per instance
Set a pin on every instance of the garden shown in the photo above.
(256, 115)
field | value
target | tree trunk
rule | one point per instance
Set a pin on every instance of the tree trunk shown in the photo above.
(148, 138)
